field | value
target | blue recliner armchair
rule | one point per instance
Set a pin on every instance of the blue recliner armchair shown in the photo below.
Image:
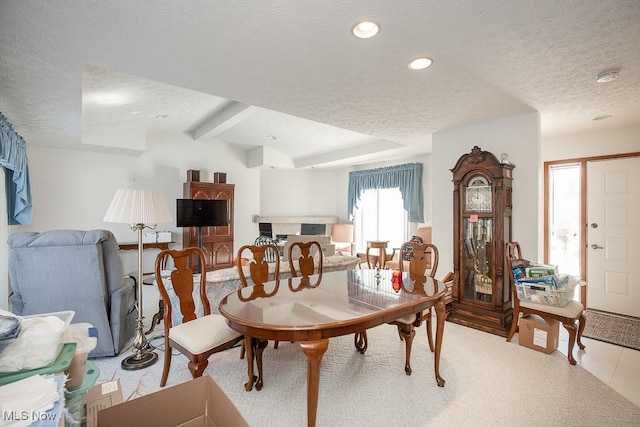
(74, 270)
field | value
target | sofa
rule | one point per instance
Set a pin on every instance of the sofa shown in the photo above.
(75, 270)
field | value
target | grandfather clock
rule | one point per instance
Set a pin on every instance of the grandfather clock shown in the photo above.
(481, 225)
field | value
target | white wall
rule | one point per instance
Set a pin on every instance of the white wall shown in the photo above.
(517, 136)
(298, 192)
(72, 189)
(323, 191)
(604, 142)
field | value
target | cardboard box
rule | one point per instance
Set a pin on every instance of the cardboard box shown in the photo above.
(99, 397)
(542, 270)
(149, 237)
(164, 236)
(199, 402)
(538, 333)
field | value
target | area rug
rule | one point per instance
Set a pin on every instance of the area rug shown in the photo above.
(613, 328)
(489, 382)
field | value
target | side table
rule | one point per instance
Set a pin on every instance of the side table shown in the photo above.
(381, 246)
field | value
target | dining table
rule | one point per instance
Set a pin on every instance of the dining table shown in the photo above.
(310, 310)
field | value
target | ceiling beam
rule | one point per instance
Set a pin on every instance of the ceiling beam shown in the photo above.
(223, 119)
(347, 153)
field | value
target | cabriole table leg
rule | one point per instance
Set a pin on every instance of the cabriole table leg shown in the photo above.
(314, 351)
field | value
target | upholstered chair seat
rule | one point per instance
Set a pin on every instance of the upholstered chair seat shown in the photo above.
(203, 333)
(572, 310)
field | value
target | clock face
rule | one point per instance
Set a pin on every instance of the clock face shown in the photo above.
(478, 195)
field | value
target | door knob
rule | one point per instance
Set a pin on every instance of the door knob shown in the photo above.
(594, 225)
(594, 246)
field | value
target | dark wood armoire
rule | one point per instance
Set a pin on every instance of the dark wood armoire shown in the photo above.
(217, 241)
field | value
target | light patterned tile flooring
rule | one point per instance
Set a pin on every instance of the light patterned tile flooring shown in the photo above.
(618, 367)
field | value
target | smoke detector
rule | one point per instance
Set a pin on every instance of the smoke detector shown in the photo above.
(607, 76)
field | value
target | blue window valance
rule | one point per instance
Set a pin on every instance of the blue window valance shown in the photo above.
(407, 177)
(13, 157)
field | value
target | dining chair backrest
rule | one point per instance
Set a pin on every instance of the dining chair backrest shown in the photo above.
(514, 256)
(306, 261)
(257, 265)
(424, 257)
(178, 291)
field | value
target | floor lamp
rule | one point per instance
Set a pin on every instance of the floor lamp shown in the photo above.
(140, 209)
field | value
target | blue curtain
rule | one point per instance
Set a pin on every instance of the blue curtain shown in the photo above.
(407, 177)
(13, 157)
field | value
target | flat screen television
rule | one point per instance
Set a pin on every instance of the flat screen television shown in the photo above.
(313, 229)
(265, 229)
(201, 212)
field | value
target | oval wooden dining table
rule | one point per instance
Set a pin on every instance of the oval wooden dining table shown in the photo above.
(310, 310)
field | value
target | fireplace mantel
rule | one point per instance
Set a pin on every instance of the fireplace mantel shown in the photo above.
(285, 219)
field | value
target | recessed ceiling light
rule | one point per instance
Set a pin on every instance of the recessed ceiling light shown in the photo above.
(365, 29)
(272, 137)
(420, 63)
(607, 76)
(606, 116)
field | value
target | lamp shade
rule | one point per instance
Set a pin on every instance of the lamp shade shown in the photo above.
(342, 233)
(138, 207)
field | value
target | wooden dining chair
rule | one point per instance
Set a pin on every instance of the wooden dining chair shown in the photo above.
(303, 253)
(258, 263)
(424, 257)
(306, 261)
(189, 326)
(258, 267)
(568, 315)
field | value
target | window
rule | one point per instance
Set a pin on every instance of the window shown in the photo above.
(381, 216)
(564, 217)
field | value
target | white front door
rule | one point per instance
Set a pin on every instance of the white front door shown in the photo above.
(613, 235)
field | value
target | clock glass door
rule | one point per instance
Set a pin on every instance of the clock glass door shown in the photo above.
(478, 251)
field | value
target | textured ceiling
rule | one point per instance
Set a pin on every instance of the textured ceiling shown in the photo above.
(244, 70)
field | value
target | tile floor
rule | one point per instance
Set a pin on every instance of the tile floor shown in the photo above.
(618, 367)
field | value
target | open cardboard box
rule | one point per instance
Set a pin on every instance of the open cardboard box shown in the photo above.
(538, 333)
(99, 397)
(198, 402)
